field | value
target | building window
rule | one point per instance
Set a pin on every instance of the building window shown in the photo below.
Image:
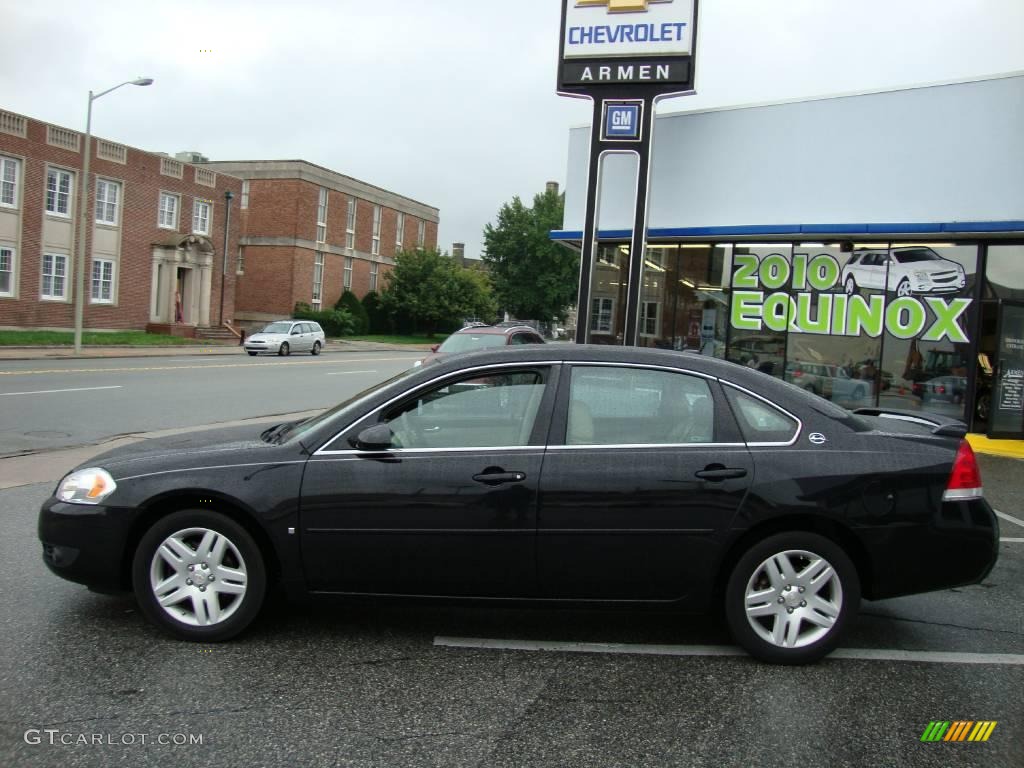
(168, 218)
(375, 247)
(8, 182)
(350, 225)
(102, 281)
(6, 271)
(400, 230)
(373, 275)
(321, 217)
(347, 279)
(650, 313)
(318, 279)
(421, 234)
(108, 196)
(240, 266)
(58, 192)
(201, 217)
(55, 270)
(602, 315)
(245, 195)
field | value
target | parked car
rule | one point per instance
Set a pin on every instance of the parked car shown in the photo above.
(909, 270)
(562, 473)
(829, 381)
(286, 336)
(476, 337)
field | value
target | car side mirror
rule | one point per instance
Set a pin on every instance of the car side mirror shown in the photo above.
(375, 438)
(433, 347)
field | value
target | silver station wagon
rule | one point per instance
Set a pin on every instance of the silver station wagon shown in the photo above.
(286, 336)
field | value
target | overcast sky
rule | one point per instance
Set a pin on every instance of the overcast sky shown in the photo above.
(450, 102)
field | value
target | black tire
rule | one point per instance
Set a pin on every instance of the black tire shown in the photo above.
(903, 289)
(316, 348)
(983, 407)
(284, 350)
(241, 554)
(252, 354)
(850, 286)
(812, 642)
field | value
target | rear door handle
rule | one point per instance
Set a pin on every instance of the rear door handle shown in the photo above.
(497, 478)
(719, 474)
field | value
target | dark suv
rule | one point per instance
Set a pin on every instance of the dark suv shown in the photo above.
(481, 337)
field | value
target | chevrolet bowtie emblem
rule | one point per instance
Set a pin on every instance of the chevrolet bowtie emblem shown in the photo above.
(620, 6)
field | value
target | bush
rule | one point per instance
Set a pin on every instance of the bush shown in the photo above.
(335, 322)
(378, 318)
(349, 303)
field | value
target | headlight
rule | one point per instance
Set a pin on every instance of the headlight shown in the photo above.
(86, 486)
(922, 276)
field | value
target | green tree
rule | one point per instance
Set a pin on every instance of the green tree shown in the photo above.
(533, 276)
(379, 321)
(435, 293)
(361, 321)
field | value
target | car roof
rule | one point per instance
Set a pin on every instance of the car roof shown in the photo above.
(495, 329)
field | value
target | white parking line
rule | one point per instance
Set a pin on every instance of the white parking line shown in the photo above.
(1010, 518)
(864, 654)
(1015, 541)
(51, 391)
(348, 373)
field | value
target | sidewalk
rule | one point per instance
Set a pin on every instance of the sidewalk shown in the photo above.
(37, 353)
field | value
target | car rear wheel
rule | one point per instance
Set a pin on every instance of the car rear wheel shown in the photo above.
(284, 350)
(316, 348)
(199, 575)
(791, 597)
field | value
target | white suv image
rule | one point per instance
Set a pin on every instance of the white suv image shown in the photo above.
(915, 269)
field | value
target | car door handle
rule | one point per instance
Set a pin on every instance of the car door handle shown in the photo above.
(717, 474)
(497, 478)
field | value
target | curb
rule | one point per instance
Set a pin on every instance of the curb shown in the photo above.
(1007, 449)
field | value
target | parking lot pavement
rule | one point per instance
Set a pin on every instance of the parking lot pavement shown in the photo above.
(365, 684)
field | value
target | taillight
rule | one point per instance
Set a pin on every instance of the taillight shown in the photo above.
(965, 479)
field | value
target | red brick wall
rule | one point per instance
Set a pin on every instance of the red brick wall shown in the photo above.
(268, 284)
(141, 184)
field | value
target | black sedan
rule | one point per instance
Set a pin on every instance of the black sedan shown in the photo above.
(569, 473)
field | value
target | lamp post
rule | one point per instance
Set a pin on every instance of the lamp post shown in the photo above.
(83, 213)
(224, 265)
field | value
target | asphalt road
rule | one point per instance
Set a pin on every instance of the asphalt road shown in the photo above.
(364, 684)
(48, 404)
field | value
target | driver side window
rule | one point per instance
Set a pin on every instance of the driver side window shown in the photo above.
(493, 410)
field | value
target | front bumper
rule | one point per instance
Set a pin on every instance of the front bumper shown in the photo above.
(87, 544)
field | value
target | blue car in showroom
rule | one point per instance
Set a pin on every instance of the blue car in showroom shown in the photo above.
(547, 473)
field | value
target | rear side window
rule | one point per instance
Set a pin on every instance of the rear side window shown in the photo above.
(760, 422)
(637, 406)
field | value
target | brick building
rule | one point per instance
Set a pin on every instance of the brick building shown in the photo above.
(155, 239)
(309, 233)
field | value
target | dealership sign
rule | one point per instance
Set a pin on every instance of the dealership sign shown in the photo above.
(613, 42)
(805, 295)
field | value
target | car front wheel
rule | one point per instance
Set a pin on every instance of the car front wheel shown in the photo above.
(199, 575)
(790, 598)
(284, 350)
(252, 354)
(903, 289)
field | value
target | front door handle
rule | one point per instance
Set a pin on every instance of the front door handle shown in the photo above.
(498, 478)
(718, 473)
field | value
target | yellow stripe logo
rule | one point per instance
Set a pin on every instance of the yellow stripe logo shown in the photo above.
(959, 730)
(620, 6)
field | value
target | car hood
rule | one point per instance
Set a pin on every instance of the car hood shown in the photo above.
(268, 337)
(203, 448)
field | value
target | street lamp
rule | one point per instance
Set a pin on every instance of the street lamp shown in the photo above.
(224, 264)
(83, 215)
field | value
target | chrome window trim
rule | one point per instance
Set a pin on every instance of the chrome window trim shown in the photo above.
(323, 450)
(646, 366)
(619, 446)
(472, 449)
(779, 408)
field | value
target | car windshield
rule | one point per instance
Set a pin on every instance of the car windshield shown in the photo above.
(340, 412)
(277, 328)
(918, 254)
(464, 342)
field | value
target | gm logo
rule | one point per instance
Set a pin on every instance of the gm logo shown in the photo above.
(622, 121)
(620, 6)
